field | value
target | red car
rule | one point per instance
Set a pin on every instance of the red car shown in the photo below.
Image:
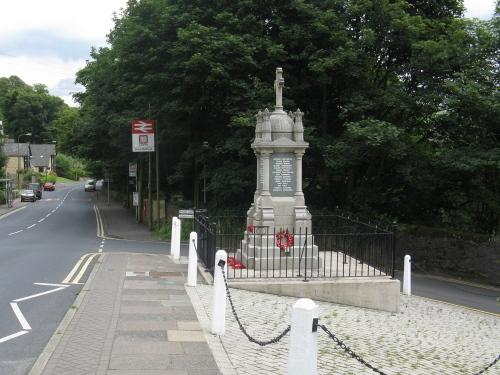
(49, 186)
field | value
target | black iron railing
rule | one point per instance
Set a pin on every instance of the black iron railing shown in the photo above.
(340, 247)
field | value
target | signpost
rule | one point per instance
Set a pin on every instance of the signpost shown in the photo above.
(186, 213)
(143, 140)
(143, 135)
(132, 169)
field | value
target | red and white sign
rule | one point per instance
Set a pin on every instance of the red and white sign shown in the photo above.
(143, 135)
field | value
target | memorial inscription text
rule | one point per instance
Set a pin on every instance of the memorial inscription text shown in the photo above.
(283, 174)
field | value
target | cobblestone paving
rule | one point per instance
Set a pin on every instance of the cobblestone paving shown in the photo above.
(425, 337)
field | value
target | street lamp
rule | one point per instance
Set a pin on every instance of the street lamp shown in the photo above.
(205, 147)
(18, 160)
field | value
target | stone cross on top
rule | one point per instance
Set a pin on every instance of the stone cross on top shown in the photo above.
(279, 83)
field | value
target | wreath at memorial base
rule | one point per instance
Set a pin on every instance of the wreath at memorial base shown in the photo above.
(284, 240)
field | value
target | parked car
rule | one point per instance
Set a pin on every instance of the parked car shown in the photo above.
(99, 184)
(37, 189)
(28, 195)
(49, 186)
(90, 185)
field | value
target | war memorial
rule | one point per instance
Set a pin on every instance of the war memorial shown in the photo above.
(282, 251)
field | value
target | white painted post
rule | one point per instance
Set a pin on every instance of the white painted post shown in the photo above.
(219, 296)
(193, 259)
(177, 242)
(407, 276)
(172, 235)
(303, 344)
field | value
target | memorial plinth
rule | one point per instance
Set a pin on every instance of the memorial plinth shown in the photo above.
(279, 205)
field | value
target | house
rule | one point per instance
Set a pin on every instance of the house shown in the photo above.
(43, 157)
(22, 157)
(18, 156)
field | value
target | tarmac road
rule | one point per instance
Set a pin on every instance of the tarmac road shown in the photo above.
(41, 243)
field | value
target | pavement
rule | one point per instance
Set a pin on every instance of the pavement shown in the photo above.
(135, 316)
(16, 204)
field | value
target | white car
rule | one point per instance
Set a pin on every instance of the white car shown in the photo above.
(28, 195)
(90, 185)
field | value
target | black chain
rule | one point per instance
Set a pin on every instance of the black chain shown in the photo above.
(349, 351)
(490, 365)
(250, 338)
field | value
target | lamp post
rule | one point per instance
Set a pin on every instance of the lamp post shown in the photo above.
(205, 147)
(18, 160)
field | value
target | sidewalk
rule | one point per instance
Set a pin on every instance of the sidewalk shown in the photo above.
(132, 317)
(15, 205)
(120, 222)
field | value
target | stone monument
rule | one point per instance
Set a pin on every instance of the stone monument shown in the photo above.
(278, 204)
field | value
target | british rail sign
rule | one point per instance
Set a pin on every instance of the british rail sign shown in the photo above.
(143, 135)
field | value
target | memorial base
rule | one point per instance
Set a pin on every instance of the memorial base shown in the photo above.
(261, 253)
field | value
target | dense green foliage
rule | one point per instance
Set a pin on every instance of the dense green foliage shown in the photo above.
(401, 101)
(28, 109)
(70, 167)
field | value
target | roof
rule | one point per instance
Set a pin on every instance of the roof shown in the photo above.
(40, 154)
(16, 149)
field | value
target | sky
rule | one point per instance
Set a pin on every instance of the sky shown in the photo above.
(48, 41)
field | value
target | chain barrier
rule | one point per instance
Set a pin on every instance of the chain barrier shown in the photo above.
(487, 367)
(348, 350)
(337, 341)
(250, 338)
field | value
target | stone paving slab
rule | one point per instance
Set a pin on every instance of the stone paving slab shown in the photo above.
(426, 337)
(127, 326)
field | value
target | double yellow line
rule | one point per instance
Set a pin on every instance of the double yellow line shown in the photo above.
(100, 225)
(79, 269)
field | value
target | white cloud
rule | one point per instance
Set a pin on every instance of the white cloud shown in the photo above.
(483, 9)
(88, 20)
(51, 71)
(36, 37)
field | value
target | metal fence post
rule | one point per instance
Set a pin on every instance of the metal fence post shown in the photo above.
(193, 259)
(303, 344)
(407, 276)
(219, 295)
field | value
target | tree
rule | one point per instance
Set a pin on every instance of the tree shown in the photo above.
(386, 86)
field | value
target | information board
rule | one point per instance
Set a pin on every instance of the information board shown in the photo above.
(283, 174)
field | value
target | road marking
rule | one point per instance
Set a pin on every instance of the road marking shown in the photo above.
(47, 215)
(41, 220)
(11, 234)
(61, 287)
(47, 284)
(13, 336)
(100, 226)
(20, 316)
(31, 226)
(84, 268)
(75, 268)
(80, 266)
(53, 211)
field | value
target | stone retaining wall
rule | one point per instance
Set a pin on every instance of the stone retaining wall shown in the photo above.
(477, 261)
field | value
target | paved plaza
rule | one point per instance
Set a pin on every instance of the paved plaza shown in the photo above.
(425, 337)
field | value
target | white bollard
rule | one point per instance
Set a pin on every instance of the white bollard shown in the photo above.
(219, 296)
(172, 236)
(193, 259)
(177, 240)
(303, 344)
(407, 276)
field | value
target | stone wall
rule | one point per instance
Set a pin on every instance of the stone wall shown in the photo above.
(468, 259)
